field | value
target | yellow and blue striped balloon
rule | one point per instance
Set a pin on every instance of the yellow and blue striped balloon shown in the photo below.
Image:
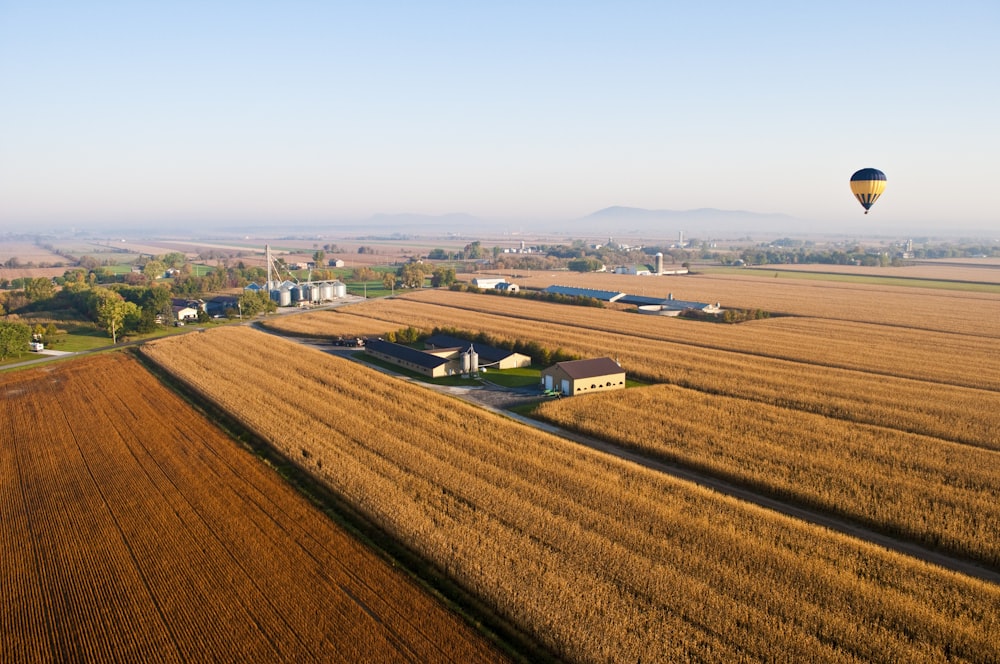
(867, 185)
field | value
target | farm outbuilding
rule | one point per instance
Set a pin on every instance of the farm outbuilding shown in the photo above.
(411, 358)
(597, 294)
(487, 283)
(583, 376)
(445, 345)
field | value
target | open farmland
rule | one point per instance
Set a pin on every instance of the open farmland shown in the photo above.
(912, 458)
(599, 558)
(969, 271)
(951, 358)
(953, 311)
(942, 495)
(955, 413)
(132, 529)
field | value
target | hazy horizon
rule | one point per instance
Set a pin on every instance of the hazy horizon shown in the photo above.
(300, 114)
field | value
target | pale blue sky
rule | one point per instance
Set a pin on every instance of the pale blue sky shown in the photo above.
(222, 112)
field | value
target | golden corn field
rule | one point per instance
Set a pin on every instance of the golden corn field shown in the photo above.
(965, 312)
(941, 494)
(600, 559)
(133, 530)
(964, 414)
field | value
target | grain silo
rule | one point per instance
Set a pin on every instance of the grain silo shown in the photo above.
(659, 262)
(339, 289)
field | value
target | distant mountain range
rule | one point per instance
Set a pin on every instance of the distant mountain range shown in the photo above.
(617, 220)
(702, 222)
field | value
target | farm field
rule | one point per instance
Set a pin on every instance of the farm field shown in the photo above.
(599, 558)
(910, 457)
(954, 413)
(950, 358)
(942, 495)
(982, 271)
(965, 312)
(132, 529)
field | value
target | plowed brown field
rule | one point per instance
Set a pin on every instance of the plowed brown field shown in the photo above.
(132, 529)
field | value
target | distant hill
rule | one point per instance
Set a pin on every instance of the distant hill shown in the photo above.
(702, 222)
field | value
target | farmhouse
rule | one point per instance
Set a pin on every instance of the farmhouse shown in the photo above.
(582, 376)
(185, 310)
(444, 345)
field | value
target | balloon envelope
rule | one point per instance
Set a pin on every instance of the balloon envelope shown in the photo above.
(867, 185)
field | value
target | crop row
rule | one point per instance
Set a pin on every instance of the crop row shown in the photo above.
(942, 495)
(951, 413)
(601, 559)
(958, 311)
(133, 530)
(954, 359)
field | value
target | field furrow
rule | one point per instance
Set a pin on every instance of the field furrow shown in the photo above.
(598, 558)
(948, 412)
(152, 536)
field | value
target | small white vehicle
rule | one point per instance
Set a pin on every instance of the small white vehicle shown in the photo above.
(36, 346)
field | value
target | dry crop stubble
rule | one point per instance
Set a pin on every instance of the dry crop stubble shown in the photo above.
(948, 358)
(900, 306)
(937, 493)
(959, 414)
(597, 557)
(152, 536)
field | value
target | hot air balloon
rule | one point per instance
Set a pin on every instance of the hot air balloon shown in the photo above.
(867, 185)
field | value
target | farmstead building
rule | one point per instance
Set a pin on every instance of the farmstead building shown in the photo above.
(582, 376)
(445, 345)
(410, 358)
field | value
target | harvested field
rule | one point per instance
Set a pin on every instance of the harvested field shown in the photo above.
(949, 358)
(919, 308)
(132, 529)
(600, 559)
(966, 414)
(942, 495)
(973, 271)
(329, 324)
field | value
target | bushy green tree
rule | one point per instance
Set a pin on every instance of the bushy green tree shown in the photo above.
(14, 338)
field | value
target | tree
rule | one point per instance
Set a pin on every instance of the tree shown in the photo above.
(443, 276)
(364, 273)
(319, 257)
(412, 275)
(40, 288)
(154, 269)
(174, 259)
(14, 338)
(112, 310)
(388, 280)
(252, 303)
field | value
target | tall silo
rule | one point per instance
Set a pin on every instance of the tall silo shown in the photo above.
(473, 360)
(659, 262)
